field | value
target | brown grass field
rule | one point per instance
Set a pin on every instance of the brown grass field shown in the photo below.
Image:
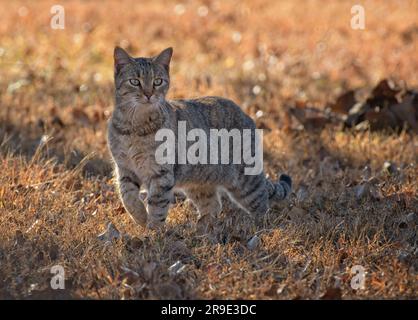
(56, 189)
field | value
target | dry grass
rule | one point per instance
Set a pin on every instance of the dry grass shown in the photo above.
(56, 86)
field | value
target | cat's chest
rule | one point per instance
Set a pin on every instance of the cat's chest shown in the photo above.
(138, 154)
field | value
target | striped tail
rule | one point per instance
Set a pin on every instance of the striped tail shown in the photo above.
(280, 189)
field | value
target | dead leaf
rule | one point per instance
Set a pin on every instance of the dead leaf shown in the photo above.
(389, 167)
(128, 275)
(56, 121)
(179, 250)
(20, 238)
(406, 112)
(148, 270)
(344, 102)
(332, 294)
(312, 119)
(168, 291)
(362, 190)
(109, 234)
(389, 106)
(54, 252)
(253, 243)
(410, 33)
(271, 291)
(134, 244)
(80, 116)
(368, 189)
(386, 88)
(176, 268)
(380, 119)
(412, 218)
(204, 225)
(356, 114)
(212, 270)
(298, 214)
(302, 194)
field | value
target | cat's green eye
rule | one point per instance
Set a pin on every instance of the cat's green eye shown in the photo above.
(158, 82)
(134, 82)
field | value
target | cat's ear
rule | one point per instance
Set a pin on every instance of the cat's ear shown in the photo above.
(164, 57)
(121, 58)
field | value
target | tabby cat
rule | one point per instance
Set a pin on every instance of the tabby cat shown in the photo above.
(141, 109)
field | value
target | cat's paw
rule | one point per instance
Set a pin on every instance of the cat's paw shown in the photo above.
(156, 225)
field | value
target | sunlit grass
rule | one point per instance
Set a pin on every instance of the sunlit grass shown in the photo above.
(56, 85)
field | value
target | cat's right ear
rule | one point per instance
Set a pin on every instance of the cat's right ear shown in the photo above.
(121, 58)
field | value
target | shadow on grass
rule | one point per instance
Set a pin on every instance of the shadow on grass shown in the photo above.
(30, 142)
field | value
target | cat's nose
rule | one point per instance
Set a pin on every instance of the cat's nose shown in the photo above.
(148, 95)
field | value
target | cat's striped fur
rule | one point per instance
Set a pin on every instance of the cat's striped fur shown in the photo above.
(141, 85)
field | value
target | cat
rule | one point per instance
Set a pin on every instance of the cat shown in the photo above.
(141, 110)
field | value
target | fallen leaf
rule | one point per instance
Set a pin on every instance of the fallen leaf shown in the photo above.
(57, 121)
(381, 118)
(344, 102)
(20, 238)
(409, 34)
(80, 116)
(356, 114)
(128, 275)
(179, 250)
(362, 190)
(386, 88)
(406, 112)
(332, 294)
(312, 119)
(412, 218)
(134, 244)
(253, 243)
(176, 268)
(109, 234)
(148, 269)
(297, 214)
(54, 252)
(389, 167)
(302, 194)
(168, 291)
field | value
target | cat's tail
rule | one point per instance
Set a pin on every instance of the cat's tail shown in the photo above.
(279, 190)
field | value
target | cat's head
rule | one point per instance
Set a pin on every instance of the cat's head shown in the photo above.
(142, 81)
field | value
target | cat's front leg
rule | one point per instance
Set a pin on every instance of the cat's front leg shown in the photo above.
(160, 195)
(128, 187)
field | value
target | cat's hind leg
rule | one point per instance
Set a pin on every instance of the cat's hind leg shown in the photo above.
(249, 192)
(207, 203)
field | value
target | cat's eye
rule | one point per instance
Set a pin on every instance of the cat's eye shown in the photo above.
(158, 82)
(134, 82)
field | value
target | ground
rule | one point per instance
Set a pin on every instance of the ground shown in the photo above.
(348, 208)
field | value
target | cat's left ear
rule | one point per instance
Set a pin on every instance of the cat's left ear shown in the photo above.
(121, 58)
(164, 57)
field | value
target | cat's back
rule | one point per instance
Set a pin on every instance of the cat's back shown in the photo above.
(211, 112)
